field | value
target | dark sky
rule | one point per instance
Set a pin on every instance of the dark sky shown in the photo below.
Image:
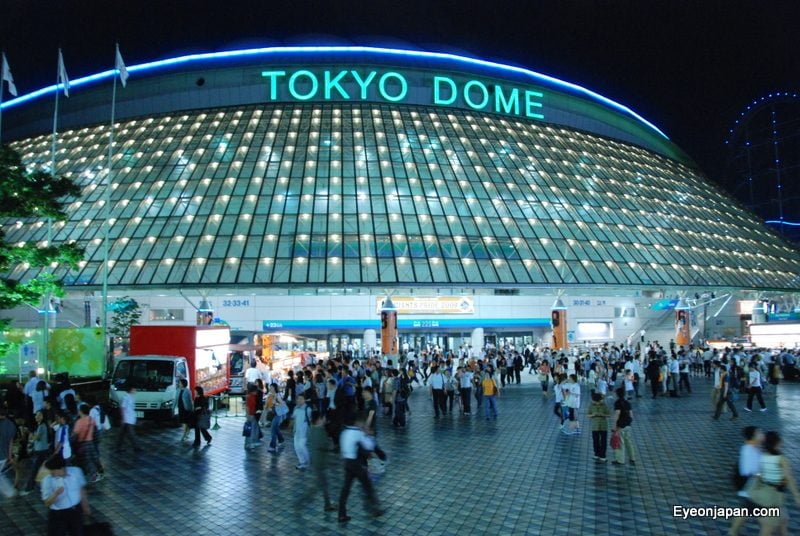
(688, 66)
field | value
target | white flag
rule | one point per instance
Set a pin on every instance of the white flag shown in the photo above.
(120, 66)
(62, 73)
(8, 78)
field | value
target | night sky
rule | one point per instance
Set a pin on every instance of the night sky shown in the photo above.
(689, 67)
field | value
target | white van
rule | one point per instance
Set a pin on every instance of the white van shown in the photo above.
(156, 379)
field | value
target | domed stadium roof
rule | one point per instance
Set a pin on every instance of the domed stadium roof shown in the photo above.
(331, 166)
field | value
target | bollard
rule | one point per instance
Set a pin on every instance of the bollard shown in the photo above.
(216, 414)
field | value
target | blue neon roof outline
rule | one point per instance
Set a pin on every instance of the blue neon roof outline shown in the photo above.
(335, 49)
(781, 222)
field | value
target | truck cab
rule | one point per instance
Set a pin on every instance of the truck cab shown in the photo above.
(156, 379)
(160, 356)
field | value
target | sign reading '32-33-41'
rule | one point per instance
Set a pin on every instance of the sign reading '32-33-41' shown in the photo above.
(399, 87)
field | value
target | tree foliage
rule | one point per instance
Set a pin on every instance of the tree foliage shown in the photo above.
(125, 313)
(30, 196)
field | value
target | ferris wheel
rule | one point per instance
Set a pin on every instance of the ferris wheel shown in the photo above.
(763, 169)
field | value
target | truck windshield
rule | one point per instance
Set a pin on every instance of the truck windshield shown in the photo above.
(237, 363)
(144, 375)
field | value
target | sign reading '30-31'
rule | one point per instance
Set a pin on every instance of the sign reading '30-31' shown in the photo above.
(397, 87)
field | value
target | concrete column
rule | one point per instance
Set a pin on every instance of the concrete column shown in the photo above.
(559, 323)
(477, 342)
(683, 327)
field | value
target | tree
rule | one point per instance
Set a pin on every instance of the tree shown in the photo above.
(30, 196)
(125, 313)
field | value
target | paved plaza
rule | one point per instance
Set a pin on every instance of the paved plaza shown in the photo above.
(452, 476)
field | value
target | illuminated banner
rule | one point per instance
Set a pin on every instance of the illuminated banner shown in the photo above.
(410, 88)
(432, 305)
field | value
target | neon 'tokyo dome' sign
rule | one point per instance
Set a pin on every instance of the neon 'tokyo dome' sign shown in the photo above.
(398, 87)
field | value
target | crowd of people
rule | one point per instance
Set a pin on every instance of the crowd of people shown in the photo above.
(335, 405)
(50, 437)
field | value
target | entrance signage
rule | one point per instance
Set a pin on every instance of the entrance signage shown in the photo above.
(410, 88)
(431, 305)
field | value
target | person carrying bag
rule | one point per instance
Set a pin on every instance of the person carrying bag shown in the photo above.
(768, 488)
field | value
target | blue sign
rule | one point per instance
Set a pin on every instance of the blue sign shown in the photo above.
(404, 323)
(664, 305)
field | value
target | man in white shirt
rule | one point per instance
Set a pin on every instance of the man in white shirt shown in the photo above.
(30, 385)
(436, 385)
(64, 495)
(252, 374)
(29, 390)
(635, 366)
(674, 376)
(127, 408)
(465, 389)
(755, 388)
(749, 465)
(355, 468)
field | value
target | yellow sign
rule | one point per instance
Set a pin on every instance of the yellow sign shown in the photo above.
(430, 305)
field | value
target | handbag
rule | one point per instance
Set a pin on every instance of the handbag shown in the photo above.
(248, 429)
(616, 440)
(281, 409)
(204, 420)
(764, 494)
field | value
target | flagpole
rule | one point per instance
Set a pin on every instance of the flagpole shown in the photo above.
(47, 297)
(107, 209)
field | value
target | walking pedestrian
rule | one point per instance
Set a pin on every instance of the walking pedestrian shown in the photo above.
(572, 400)
(352, 439)
(436, 386)
(544, 377)
(62, 445)
(749, 465)
(8, 433)
(449, 389)
(775, 478)
(598, 414)
(102, 423)
(490, 393)
(202, 417)
(183, 401)
(83, 432)
(558, 407)
(251, 407)
(64, 495)
(464, 377)
(623, 418)
(281, 410)
(477, 383)
(128, 423)
(755, 387)
(301, 418)
(319, 447)
(725, 396)
(41, 450)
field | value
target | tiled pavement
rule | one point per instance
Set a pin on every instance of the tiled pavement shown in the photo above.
(456, 475)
